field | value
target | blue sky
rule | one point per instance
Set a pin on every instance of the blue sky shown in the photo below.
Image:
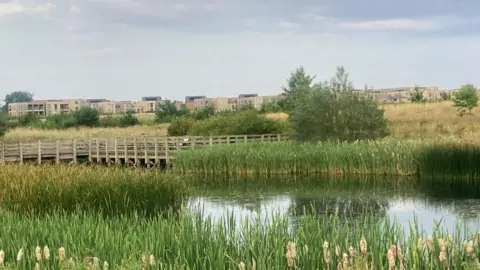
(125, 49)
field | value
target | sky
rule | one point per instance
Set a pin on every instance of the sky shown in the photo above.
(126, 49)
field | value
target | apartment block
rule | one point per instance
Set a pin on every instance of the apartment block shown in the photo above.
(191, 102)
(403, 94)
(230, 103)
(63, 106)
(23, 108)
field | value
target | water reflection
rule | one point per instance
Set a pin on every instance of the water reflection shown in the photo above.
(400, 203)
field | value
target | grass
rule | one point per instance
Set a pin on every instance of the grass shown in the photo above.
(394, 157)
(110, 191)
(426, 120)
(193, 242)
(29, 134)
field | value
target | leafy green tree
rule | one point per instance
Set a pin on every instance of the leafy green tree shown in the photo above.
(59, 121)
(128, 119)
(28, 120)
(298, 84)
(167, 110)
(86, 116)
(16, 96)
(179, 126)
(332, 110)
(445, 96)
(417, 95)
(271, 107)
(466, 100)
(203, 113)
(3, 124)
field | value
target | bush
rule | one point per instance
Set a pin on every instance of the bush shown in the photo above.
(179, 126)
(240, 123)
(3, 124)
(203, 113)
(28, 120)
(128, 119)
(109, 121)
(333, 111)
(58, 121)
(86, 116)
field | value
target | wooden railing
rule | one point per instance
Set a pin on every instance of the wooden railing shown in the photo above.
(109, 149)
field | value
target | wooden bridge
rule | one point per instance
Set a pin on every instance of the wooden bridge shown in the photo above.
(146, 151)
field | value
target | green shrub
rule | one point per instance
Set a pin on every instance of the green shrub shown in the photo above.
(58, 121)
(86, 116)
(238, 123)
(29, 119)
(128, 119)
(179, 126)
(3, 124)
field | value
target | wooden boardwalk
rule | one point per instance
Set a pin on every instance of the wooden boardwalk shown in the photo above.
(147, 151)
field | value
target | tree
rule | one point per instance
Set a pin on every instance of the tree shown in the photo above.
(128, 119)
(203, 113)
(466, 100)
(445, 96)
(167, 110)
(3, 124)
(332, 110)
(86, 116)
(17, 96)
(417, 95)
(298, 83)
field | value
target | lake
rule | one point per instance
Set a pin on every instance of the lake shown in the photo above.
(426, 202)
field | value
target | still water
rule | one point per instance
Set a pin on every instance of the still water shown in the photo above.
(431, 202)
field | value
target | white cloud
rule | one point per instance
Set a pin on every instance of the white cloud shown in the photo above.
(391, 24)
(17, 7)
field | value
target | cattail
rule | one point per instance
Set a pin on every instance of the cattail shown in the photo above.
(151, 260)
(391, 259)
(363, 245)
(420, 244)
(2, 257)
(338, 252)
(105, 265)
(37, 266)
(20, 255)
(430, 243)
(61, 254)
(241, 266)
(291, 253)
(345, 261)
(38, 253)
(469, 248)
(46, 253)
(96, 262)
(441, 244)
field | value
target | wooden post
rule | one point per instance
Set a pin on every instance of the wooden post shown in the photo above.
(192, 144)
(74, 151)
(157, 160)
(145, 150)
(98, 150)
(21, 152)
(117, 159)
(57, 152)
(90, 159)
(3, 153)
(228, 139)
(125, 150)
(211, 141)
(107, 158)
(245, 138)
(279, 137)
(39, 154)
(135, 150)
(167, 148)
(263, 137)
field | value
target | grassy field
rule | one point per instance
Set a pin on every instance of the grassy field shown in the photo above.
(405, 121)
(448, 157)
(192, 242)
(109, 191)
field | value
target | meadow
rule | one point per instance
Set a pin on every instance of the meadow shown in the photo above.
(445, 157)
(425, 120)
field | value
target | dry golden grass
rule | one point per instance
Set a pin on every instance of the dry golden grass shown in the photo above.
(24, 134)
(405, 121)
(429, 120)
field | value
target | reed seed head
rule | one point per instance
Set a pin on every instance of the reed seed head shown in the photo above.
(20, 255)
(363, 245)
(105, 265)
(420, 244)
(2, 257)
(96, 262)
(61, 254)
(151, 260)
(37, 266)
(38, 253)
(241, 266)
(46, 253)
(443, 256)
(338, 251)
(254, 264)
(430, 243)
(469, 248)
(391, 259)
(346, 262)
(144, 259)
(305, 249)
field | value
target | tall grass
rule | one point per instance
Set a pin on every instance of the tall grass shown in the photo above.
(193, 242)
(111, 191)
(446, 158)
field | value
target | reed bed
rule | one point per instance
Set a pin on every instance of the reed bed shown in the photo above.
(109, 190)
(445, 157)
(195, 242)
